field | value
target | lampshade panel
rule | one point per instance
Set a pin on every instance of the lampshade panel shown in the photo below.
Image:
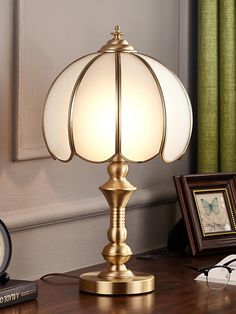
(94, 111)
(142, 113)
(57, 110)
(178, 112)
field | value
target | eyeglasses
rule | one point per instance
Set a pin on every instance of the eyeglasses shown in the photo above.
(217, 276)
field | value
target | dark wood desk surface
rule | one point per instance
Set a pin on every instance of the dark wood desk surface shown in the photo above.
(176, 292)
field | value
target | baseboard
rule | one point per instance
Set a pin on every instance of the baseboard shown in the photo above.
(57, 213)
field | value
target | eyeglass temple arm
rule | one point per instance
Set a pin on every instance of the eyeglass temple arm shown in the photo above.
(229, 262)
(200, 270)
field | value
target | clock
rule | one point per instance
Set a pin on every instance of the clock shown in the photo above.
(5, 252)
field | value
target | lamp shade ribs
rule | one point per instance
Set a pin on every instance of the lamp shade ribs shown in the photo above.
(117, 103)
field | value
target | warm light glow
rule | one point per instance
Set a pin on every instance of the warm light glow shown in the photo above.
(83, 110)
(141, 110)
(178, 112)
(94, 111)
(56, 112)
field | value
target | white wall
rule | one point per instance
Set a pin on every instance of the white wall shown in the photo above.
(57, 217)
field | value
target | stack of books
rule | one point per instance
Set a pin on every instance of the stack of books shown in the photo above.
(17, 291)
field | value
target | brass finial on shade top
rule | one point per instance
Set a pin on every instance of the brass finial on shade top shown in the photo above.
(117, 33)
(117, 44)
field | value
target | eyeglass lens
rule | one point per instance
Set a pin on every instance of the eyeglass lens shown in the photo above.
(219, 274)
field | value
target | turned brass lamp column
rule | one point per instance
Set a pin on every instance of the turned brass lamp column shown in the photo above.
(117, 192)
(116, 278)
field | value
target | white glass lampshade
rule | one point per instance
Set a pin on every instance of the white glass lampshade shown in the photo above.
(117, 102)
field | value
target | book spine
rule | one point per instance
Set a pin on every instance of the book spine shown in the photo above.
(18, 294)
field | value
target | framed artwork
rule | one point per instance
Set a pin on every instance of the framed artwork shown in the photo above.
(208, 205)
(44, 46)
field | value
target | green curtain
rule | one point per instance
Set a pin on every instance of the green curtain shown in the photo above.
(216, 86)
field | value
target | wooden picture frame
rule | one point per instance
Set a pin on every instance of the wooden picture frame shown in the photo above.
(208, 205)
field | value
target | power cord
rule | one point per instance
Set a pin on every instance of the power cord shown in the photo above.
(58, 275)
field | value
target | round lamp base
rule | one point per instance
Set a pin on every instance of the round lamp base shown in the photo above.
(140, 283)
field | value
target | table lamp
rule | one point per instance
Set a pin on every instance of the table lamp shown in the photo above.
(117, 106)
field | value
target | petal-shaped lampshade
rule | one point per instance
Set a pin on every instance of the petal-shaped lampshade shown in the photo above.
(117, 102)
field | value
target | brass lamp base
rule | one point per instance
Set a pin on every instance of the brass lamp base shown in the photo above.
(137, 284)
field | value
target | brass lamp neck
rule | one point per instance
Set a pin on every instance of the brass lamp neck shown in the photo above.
(117, 191)
(117, 43)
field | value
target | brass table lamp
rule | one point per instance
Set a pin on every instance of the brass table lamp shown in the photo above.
(117, 106)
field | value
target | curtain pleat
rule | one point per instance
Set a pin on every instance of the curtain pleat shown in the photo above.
(217, 86)
(208, 93)
(227, 86)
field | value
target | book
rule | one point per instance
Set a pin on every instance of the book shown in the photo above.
(218, 274)
(17, 291)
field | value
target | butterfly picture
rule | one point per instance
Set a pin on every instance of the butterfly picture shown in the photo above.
(212, 207)
(212, 212)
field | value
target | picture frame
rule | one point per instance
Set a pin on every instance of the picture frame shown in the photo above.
(208, 206)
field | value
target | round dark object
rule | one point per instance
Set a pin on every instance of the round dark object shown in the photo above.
(5, 249)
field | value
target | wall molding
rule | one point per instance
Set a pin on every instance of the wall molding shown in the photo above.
(30, 90)
(184, 43)
(67, 211)
(22, 149)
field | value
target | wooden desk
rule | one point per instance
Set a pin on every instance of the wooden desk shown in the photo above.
(176, 292)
